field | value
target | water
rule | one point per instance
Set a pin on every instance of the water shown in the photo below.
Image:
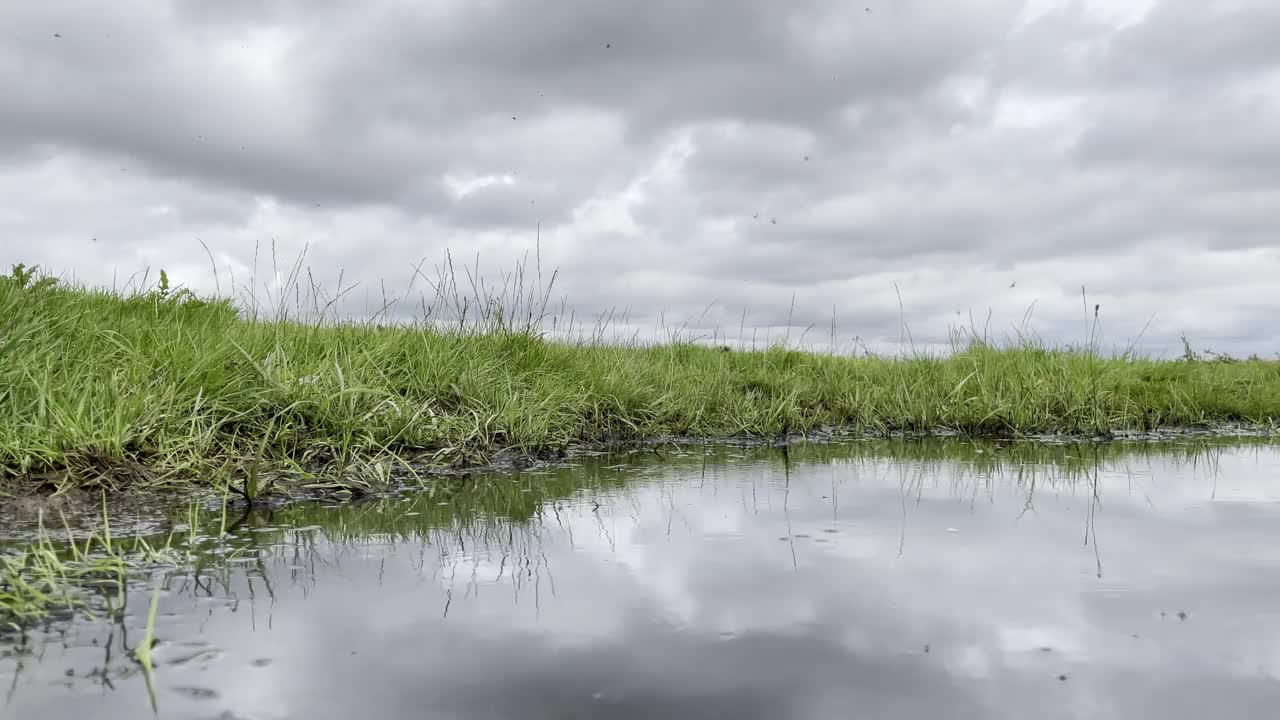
(869, 580)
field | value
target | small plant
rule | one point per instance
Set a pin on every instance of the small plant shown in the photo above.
(167, 293)
(1188, 354)
(29, 278)
(143, 652)
(253, 488)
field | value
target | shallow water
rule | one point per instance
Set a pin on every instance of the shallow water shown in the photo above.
(870, 580)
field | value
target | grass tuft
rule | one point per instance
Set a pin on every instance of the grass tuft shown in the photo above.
(47, 575)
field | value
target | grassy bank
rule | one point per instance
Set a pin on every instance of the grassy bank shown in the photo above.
(101, 388)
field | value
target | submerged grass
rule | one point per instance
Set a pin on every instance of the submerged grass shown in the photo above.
(102, 388)
(46, 574)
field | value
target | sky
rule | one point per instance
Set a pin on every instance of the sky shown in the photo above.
(738, 172)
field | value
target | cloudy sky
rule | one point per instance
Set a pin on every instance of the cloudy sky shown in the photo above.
(710, 165)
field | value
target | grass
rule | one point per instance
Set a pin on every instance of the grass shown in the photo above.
(157, 387)
(86, 576)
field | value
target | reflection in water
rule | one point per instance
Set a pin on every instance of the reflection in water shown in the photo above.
(944, 578)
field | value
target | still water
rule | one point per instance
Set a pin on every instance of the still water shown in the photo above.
(859, 580)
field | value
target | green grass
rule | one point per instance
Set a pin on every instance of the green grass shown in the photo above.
(159, 387)
(87, 576)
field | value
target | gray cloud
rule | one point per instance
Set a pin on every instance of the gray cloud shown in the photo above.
(697, 162)
(1182, 44)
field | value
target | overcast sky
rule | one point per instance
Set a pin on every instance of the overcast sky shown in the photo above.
(688, 162)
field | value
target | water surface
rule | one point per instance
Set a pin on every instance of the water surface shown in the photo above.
(869, 580)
